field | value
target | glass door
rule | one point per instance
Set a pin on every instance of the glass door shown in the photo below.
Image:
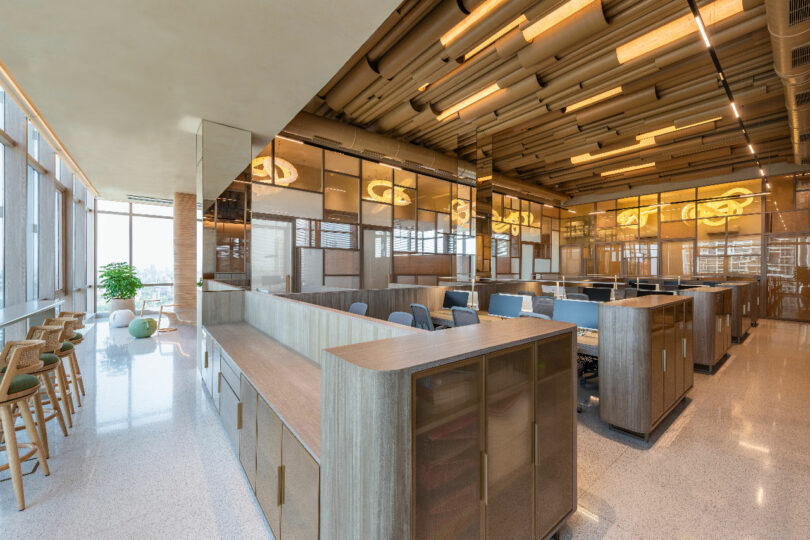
(376, 258)
(271, 265)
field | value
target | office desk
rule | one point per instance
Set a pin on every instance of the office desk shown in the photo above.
(444, 317)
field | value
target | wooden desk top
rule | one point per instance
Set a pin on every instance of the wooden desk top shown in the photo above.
(18, 312)
(702, 290)
(588, 343)
(445, 316)
(649, 302)
(418, 352)
(288, 381)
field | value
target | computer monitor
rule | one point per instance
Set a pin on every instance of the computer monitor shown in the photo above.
(455, 299)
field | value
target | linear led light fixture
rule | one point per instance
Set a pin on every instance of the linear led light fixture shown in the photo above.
(584, 158)
(494, 37)
(713, 13)
(594, 99)
(734, 108)
(555, 17)
(283, 138)
(673, 128)
(761, 171)
(751, 148)
(466, 102)
(703, 33)
(629, 169)
(470, 20)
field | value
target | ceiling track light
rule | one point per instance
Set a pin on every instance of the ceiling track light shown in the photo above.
(703, 33)
(761, 171)
(734, 108)
(751, 148)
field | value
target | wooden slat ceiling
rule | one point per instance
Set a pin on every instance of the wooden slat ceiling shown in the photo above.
(408, 81)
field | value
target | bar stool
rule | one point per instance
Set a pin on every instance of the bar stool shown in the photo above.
(50, 365)
(74, 315)
(67, 352)
(16, 389)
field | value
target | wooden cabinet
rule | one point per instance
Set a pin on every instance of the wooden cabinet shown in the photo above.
(247, 436)
(645, 360)
(300, 488)
(494, 443)
(555, 453)
(688, 347)
(268, 465)
(710, 328)
(741, 296)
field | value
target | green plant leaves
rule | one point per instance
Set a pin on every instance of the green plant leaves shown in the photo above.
(119, 281)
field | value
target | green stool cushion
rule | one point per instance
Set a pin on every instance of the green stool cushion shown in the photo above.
(22, 382)
(142, 328)
(49, 359)
(76, 337)
(66, 346)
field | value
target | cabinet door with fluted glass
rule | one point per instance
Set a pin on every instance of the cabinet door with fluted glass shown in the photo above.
(555, 456)
(448, 458)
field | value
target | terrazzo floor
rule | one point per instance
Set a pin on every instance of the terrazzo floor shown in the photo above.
(148, 457)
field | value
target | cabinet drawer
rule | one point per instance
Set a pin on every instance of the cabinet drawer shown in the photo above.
(247, 436)
(229, 371)
(230, 410)
(268, 464)
(301, 488)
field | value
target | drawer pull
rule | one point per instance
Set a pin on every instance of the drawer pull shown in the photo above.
(239, 415)
(206, 360)
(664, 360)
(280, 485)
(719, 325)
(219, 382)
(684, 347)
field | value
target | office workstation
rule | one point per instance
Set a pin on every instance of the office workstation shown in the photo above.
(405, 269)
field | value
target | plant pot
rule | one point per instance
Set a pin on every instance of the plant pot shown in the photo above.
(122, 303)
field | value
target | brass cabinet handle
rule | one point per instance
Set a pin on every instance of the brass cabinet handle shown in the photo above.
(485, 479)
(536, 444)
(684, 347)
(206, 360)
(239, 415)
(280, 485)
(219, 382)
(720, 324)
(664, 360)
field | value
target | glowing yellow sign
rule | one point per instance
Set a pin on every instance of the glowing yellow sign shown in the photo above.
(380, 190)
(634, 216)
(719, 210)
(261, 168)
(512, 222)
(460, 211)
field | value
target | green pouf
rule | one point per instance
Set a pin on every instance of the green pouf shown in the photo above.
(142, 328)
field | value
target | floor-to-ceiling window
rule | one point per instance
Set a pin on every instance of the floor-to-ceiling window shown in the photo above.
(32, 236)
(141, 235)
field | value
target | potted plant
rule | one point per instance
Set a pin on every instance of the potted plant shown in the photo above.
(120, 285)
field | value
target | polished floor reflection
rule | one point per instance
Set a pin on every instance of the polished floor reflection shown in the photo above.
(733, 461)
(147, 456)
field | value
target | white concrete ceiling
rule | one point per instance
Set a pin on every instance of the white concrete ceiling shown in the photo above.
(124, 83)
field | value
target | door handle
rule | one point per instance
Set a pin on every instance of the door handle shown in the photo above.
(664, 360)
(280, 485)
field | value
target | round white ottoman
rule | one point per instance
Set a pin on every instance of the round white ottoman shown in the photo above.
(121, 318)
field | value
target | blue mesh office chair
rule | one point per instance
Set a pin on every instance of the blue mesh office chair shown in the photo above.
(358, 308)
(421, 317)
(463, 316)
(400, 317)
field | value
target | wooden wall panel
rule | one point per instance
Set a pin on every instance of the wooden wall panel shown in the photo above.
(185, 255)
(411, 264)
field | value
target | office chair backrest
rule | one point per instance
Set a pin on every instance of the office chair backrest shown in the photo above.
(504, 305)
(358, 308)
(421, 317)
(647, 286)
(670, 283)
(630, 292)
(525, 293)
(582, 313)
(595, 294)
(534, 315)
(400, 317)
(463, 316)
(544, 305)
(576, 296)
(455, 299)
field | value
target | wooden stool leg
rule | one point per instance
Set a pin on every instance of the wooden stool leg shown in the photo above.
(64, 392)
(13, 454)
(31, 428)
(41, 427)
(75, 361)
(74, 381)
(55, 402)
